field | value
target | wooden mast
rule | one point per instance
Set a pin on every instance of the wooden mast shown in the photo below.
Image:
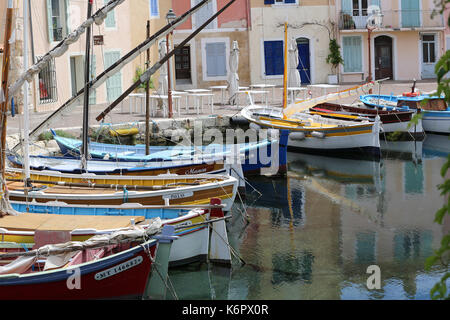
(150, 71)
(87, 73)
(4, 104)
(285, 76)
(147, 99)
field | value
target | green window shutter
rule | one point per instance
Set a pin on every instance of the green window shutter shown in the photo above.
(113, 83)
(351, 47)
(66, 2)
(347, 6)
(110, 21)
(375, 3)
(49, 21)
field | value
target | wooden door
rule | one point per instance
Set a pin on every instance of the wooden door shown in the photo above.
(183, 63)
(383, 58)
(304, 55)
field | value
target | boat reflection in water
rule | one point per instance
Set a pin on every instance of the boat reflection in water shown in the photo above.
(313, 234)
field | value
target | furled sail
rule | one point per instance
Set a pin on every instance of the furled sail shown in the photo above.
(62, 46)
(116, 67)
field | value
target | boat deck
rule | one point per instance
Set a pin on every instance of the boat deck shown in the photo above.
(53, 222)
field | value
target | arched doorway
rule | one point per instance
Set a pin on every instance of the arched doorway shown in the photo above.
(384, 67)
(304, 56)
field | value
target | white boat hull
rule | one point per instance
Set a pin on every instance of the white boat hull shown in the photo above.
(436, 124)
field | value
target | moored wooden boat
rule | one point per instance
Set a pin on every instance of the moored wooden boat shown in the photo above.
(391, 121)
(316, 134)
(254, 153)
(190, 222)
(435, 112)
(112, 266)
(105, 167)
(116, 190)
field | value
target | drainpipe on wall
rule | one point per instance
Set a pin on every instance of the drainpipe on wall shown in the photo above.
(249, 20)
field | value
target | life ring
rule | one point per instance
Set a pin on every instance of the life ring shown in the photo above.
(411, 94)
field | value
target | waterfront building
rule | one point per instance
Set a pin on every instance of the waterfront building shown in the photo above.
(204, 61)
(406, 46)
(310, 24)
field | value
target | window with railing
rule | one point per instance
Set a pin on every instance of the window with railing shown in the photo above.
(57, 18)
(48, 92)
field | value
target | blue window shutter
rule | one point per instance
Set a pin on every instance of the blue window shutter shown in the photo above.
(202, 15)
(269, 1)
(273, 56)
(154, 8)
(216, 59)
(289, 1)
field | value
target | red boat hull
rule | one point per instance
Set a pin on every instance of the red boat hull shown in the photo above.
(121, 276)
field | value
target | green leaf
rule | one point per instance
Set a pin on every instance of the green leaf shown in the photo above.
(440, 215)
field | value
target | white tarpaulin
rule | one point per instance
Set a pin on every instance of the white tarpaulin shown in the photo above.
(233, 77)
(294, 79)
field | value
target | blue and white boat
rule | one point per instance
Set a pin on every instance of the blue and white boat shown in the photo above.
(193, 244)
(436, 113)
(267, 153)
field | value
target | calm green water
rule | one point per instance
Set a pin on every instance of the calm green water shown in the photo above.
(313, 234)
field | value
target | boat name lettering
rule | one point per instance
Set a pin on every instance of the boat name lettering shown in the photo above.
(194, 171)
(183, 224)
(119, 268)
(178, 195)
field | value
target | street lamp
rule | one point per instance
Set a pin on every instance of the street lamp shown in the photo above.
(373, 22)
(170, 16)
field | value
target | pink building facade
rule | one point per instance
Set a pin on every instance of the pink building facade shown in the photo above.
(406, 46)
(204, 61)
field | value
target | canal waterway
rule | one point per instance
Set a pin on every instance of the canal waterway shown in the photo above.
(312, 234)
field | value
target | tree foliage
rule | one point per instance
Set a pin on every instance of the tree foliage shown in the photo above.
(334, 58)
(441, 255)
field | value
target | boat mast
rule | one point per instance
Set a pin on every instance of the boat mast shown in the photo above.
(285, 66)
(4, 104)
(147, 100)
(87, 73)
(25, 117)
(150, 71)
(100, 79)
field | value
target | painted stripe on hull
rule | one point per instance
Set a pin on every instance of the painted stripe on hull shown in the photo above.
(52, 285)
(198, 197)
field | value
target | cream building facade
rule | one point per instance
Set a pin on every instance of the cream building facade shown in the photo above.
(310, 23)
(52, 21)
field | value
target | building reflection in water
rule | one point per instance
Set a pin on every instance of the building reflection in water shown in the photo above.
(313, 234)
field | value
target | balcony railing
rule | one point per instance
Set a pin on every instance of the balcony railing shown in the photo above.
(57, 34)
(394, 19)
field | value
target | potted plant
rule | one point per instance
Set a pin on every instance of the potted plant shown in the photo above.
(141, 88)
(334, 58)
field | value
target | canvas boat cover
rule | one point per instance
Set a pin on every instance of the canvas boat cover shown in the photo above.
(59, 254)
